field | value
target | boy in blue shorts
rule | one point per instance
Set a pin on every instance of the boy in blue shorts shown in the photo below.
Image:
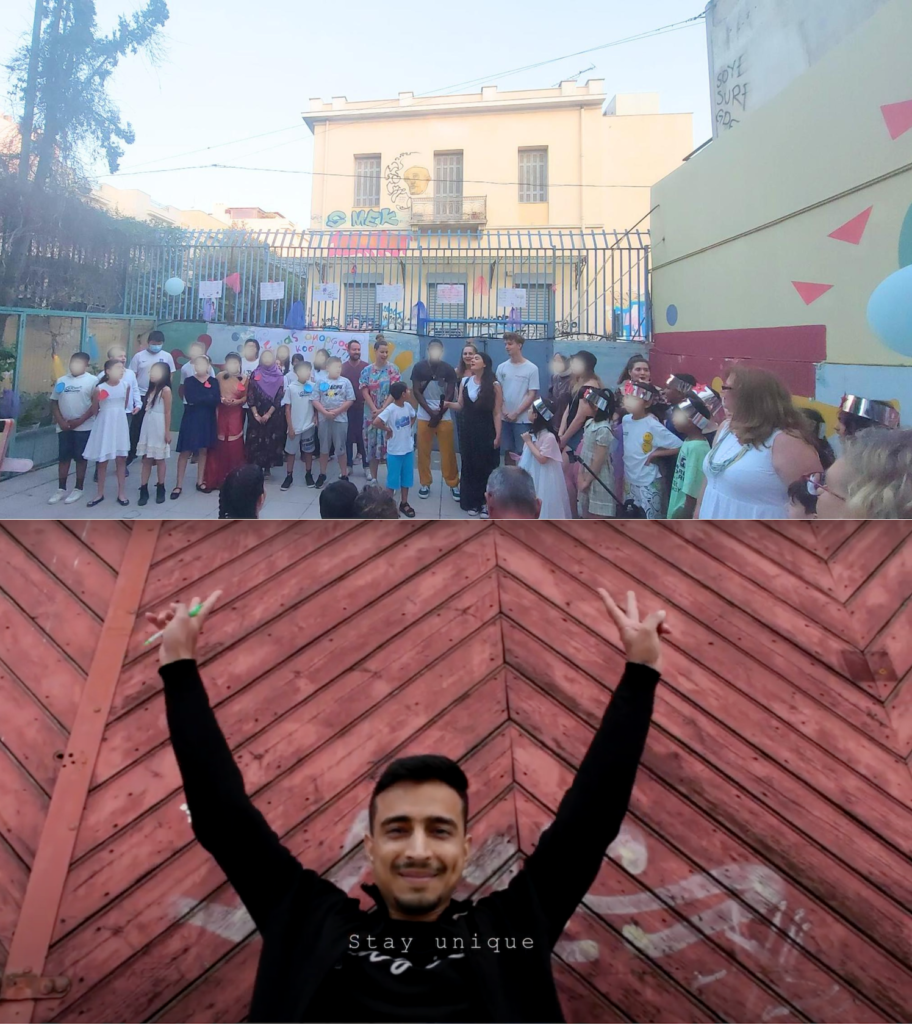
(397, 419)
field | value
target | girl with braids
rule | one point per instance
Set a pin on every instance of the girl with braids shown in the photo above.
(243, 493)
(480, 400)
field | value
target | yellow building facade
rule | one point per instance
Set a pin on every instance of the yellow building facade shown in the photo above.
(492, 160)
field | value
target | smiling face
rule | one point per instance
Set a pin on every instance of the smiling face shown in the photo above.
(354, 352)
(418, 847)
(383, 353)
(468, 354)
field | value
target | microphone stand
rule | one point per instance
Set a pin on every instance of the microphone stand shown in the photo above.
(630, 506)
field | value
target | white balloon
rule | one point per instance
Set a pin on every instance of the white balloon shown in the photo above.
(174, 286)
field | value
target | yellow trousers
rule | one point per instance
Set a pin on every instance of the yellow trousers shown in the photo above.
(444, 432)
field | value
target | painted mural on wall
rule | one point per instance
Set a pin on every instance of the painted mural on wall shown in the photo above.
(404, 179)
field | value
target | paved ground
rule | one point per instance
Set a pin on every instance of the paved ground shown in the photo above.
(25, 497)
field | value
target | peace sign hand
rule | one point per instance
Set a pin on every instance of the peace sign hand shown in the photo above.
(642, 640)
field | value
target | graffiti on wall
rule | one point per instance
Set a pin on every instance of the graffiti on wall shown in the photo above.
(384, 217)
(731, 93)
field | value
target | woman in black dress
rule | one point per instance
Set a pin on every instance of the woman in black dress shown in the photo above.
(480, 402)
(266, 428)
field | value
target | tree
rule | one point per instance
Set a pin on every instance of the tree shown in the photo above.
(74, 116)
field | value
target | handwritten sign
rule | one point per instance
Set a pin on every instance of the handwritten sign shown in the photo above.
(451, 294)
(326, 293)
(391, 294)
(513, 297)
(272, 290)
(211, 289)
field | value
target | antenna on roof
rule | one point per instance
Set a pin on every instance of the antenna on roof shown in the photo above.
(573, 78)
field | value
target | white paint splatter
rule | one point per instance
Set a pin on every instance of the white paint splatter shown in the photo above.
(700, 980)
(232, 923)
(186, 811)
(577, 952)
(358, 830)
(629, 849)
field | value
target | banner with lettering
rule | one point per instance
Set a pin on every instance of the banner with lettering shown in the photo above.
(231, 338)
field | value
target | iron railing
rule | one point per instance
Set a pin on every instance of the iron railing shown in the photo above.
(545, 283)
(443, 211)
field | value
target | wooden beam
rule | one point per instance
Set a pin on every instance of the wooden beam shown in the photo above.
(32, 938)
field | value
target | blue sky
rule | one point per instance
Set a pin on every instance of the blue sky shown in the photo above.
(234, 69)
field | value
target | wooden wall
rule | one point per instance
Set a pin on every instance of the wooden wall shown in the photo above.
(763, 873)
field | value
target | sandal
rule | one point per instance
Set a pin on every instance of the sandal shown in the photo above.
(94, 502)
(203, 488)
(176, 493)
(123, 502)
(407, 510)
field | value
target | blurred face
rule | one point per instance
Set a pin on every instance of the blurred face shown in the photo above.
(434, 353)
(418, 847)
(157, 373)
(120, 354)
(115, 374)
(201, 366)
(673, 396)
(640, 373)
(635, 406)
(354, 352)
(250, 352)
(267, 359)
(283, 352)
(233, 365)
(319, 360)
(78, 367)
(558, 366)
(831, 502)
(681, 420)
(334, 370)
(302, 372)
(477, 365)
(196, 350)
(577, 367)
(383, 354)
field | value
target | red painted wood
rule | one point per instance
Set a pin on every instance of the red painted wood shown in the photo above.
(777, 743)
(108, 538)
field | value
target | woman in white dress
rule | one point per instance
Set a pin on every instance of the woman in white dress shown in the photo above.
(541, 458)
(762, 448)
(110, 436)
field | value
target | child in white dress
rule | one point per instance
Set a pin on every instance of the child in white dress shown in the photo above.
(154, 446)
(541, 459)
(110, 436)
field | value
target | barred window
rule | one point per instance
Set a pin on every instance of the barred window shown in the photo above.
(533, 175)
(361, 306)
(367, 180)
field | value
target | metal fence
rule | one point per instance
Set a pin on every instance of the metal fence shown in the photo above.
(545, 283)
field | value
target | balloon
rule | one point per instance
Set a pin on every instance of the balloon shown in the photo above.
(102, 393)
(174, 286)
(59, 387)
(890, 311)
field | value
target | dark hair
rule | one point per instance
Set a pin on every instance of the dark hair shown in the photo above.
(539, 423)
(380, 341)
(84, 356)
(156, 338)
(604, 414)
(688, 378)
(375, 503)
(398, 390)
(252, 341)
(156, 388)
(653, 390)
(354, 341)
(485, 399)
(854, 424)
(423, 768)
(799, 495)
(513, 336)
(631, 362)
(824, 448)
(235, 356)
(297, 358)
(284, 363)
(588, 358)
(109, 364)
(240, 493)
(338, 500)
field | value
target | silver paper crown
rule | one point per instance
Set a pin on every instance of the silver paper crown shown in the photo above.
(646, 394)
(870, 409)
(695, 416)
(710, 399)
(679, 385)
(539, 406)
(595, 397)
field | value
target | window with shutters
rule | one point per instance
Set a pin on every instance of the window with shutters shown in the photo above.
(452, 311)
(448, 184)
(367, 180)
(538, 316)
(361, 306)
(533, 175)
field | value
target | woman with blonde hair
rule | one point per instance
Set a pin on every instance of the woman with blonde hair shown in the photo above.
(871, 480)
(764, 446)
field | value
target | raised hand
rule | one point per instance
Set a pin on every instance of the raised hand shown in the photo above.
(642, 640)
(180, 632)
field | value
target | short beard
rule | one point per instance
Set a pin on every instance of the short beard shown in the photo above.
(418, 906)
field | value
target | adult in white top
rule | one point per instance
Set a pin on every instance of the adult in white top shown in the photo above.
(518, 379)
(140, 364)
(119, 353)
(762, 448)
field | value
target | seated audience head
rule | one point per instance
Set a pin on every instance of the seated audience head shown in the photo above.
(243, 493)
(802, 504)
(857, 414)
(678, 386)
(871, 480)
(511, 494)
(337, 501)
(375, 503)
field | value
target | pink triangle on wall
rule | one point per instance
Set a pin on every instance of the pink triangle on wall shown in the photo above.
(809, 291)
(853, 229)
(898, 117)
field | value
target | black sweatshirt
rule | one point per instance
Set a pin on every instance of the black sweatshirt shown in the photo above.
(309, 969)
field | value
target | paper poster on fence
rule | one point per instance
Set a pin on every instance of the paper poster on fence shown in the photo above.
(272, 290)
(326, 293)
(211, 289)
(451, 294)
(390, 294)
(512, 297)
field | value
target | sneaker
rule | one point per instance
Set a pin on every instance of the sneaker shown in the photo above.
(309, 480)
(455, 492)
(287, 482)
(143, 494)
(159, 494)
(370, 482)
(75, 495)
(58, 495)
(484, 512)
(424, 492)
(321, 479)
(474, 512)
